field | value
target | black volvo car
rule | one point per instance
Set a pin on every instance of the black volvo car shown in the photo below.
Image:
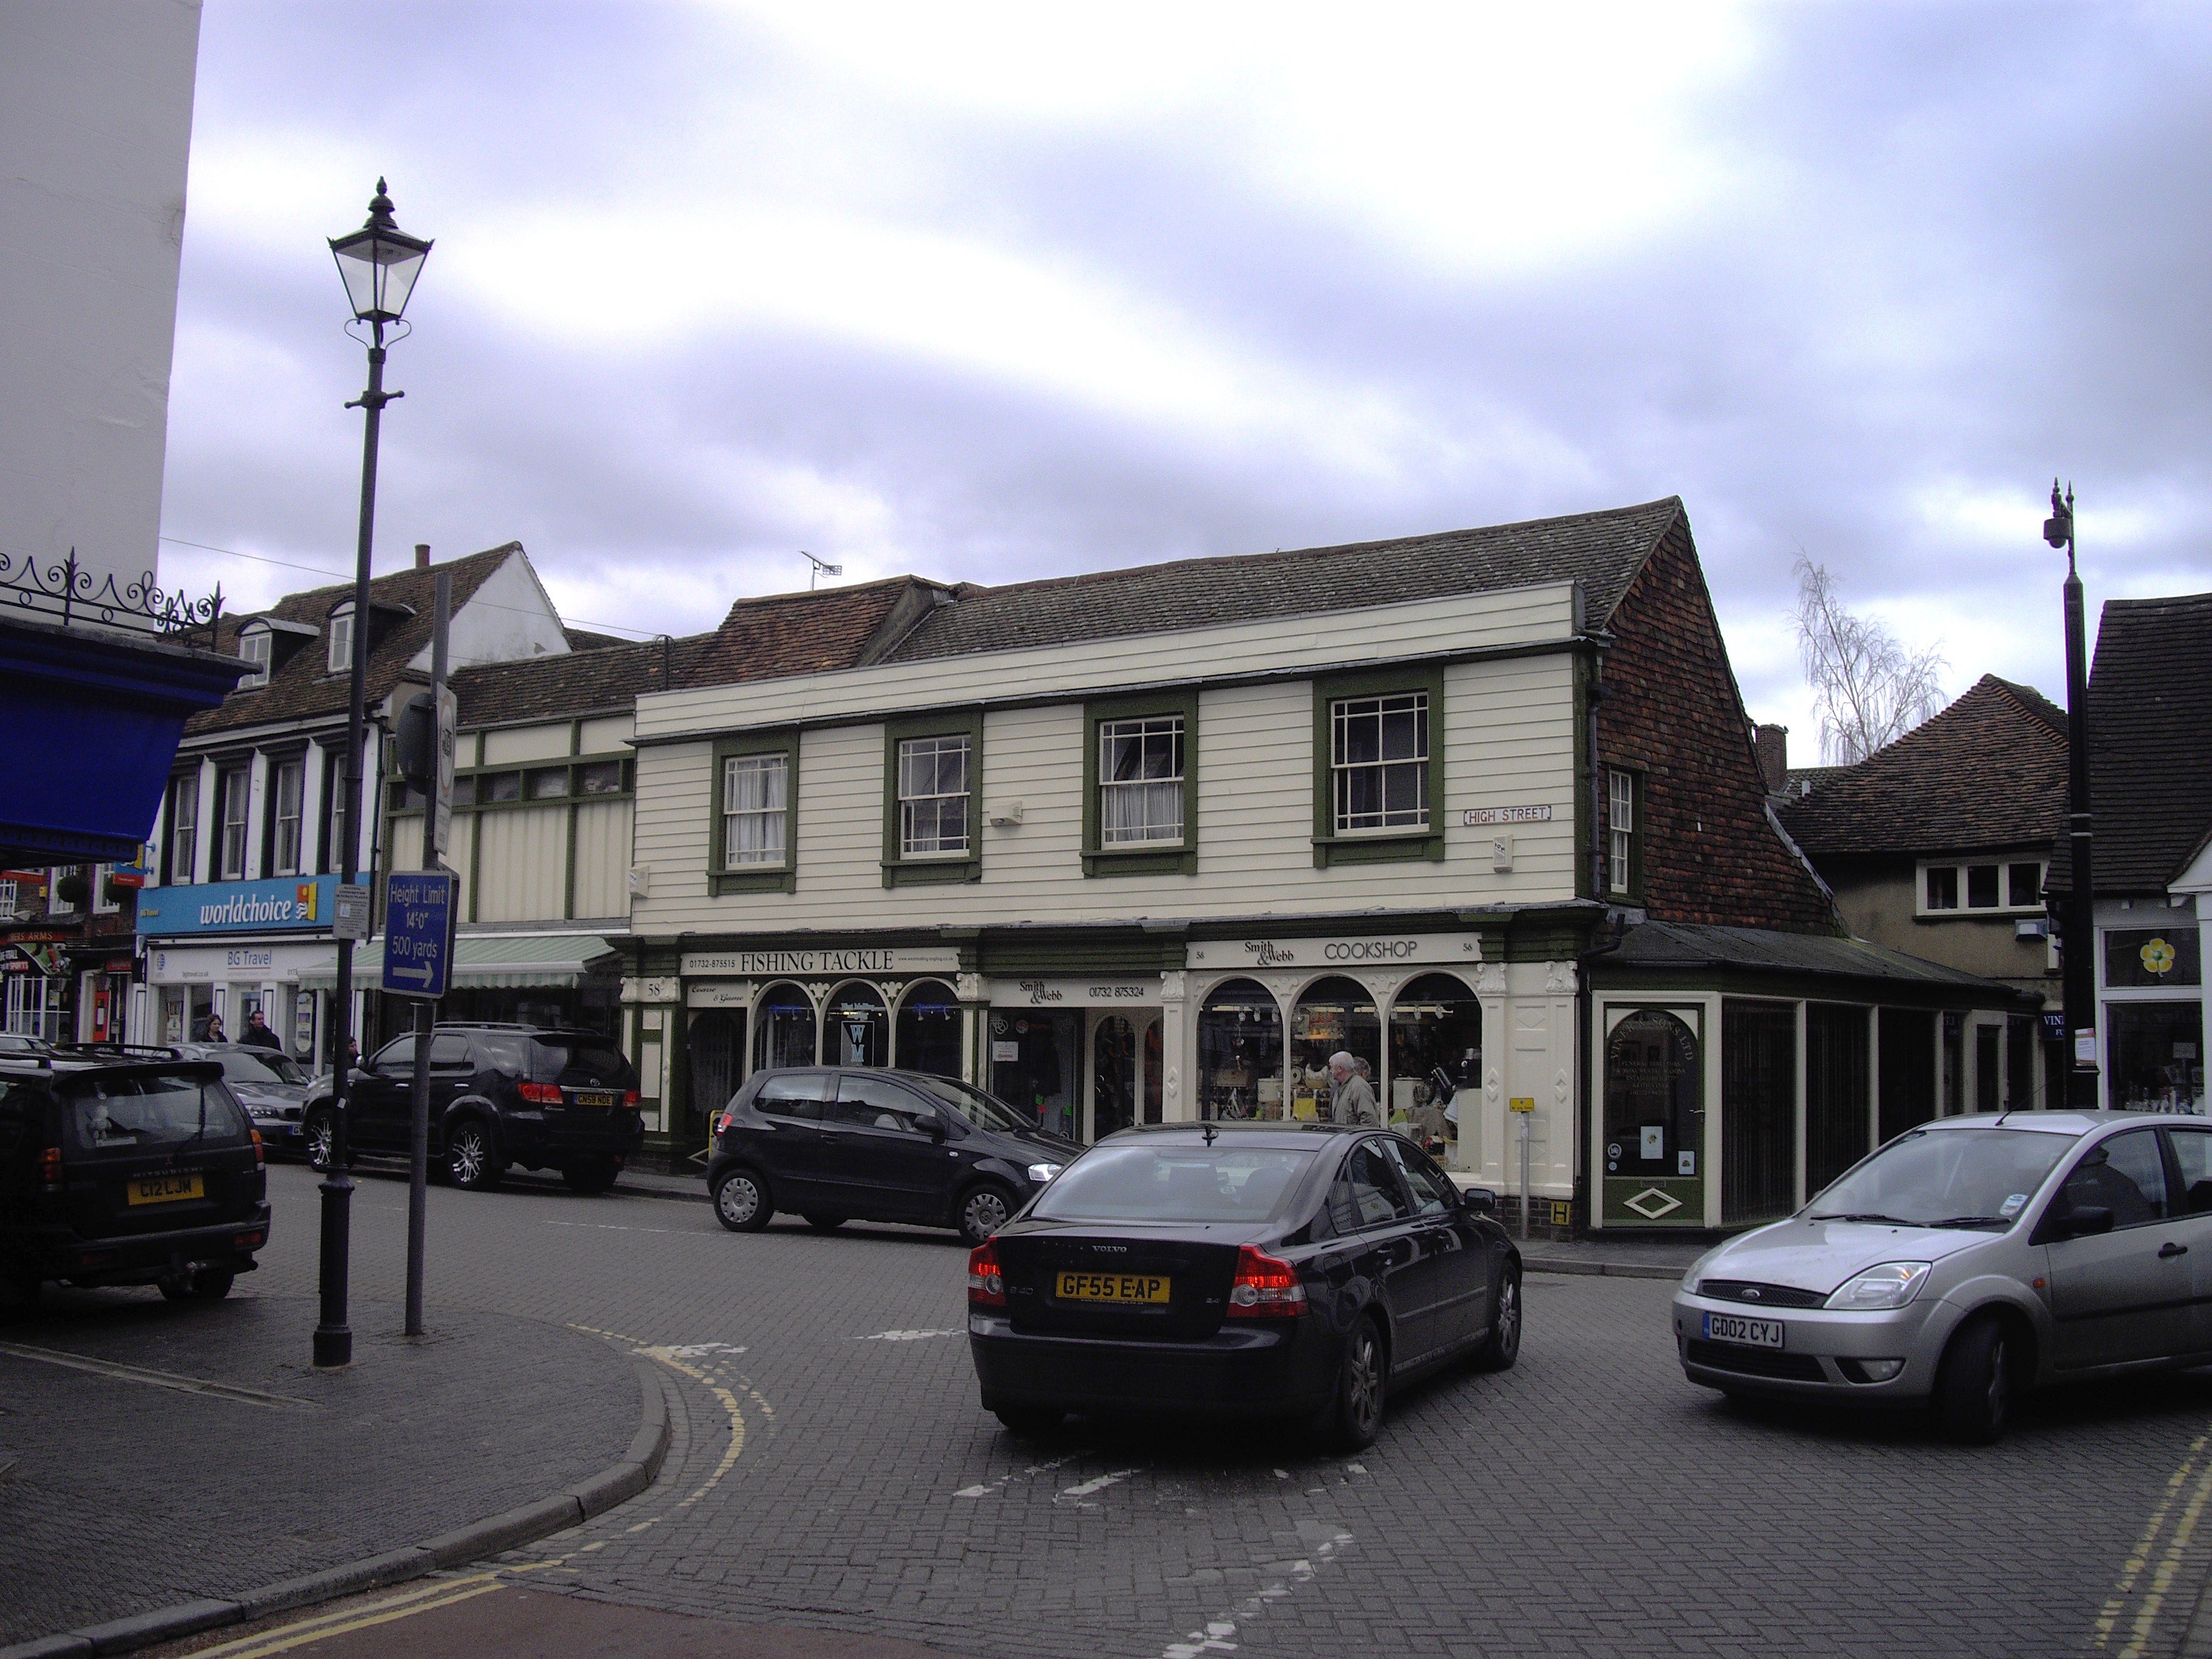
(1240, 1271)
(837, 1145)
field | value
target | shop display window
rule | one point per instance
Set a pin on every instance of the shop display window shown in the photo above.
(1035, 1066)
(857, 1030)
(783, 1025)
(2154, 957)
(1335, 1015)
(1240, 1054)
(1654, 1098)
(2156, 1056)
(929, 1030)
(1435, 1023)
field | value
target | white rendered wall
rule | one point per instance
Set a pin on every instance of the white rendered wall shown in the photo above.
(95, 127)
(507, 618)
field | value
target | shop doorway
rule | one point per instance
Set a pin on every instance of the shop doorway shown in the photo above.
(1334, 1016)
(1034, 1066)
(717, 1048)
(1115, 1062)
(1758, 1111)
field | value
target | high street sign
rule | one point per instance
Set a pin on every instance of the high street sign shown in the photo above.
(418, 933)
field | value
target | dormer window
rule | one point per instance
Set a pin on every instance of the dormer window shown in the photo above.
(258, 647)
(342, 640)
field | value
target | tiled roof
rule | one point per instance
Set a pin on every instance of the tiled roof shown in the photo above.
(759, 639)
(1690, 946)
(2150, 743)
(1602, 550)
(1988, 771)
(304, 687)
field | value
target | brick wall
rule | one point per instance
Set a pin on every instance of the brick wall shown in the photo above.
(1673, 713)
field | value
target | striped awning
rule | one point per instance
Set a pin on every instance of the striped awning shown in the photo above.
(487, 959)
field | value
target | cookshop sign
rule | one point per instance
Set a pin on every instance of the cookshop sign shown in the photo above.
(1360, 950)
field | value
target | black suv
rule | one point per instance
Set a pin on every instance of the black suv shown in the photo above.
(499, 1095)
(876, 1145)
(138, 1173)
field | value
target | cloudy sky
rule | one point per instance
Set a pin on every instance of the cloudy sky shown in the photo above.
(993, 293)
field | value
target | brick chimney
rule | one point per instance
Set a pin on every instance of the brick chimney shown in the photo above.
(421, 555)
(1771, 743)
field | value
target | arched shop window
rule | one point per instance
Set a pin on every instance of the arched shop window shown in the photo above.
(929, 1030)
(857, 1028)
(1654, 1087)
(1334, 1015)
(1240, 1052)
(783, 1027)
(1436, 1025)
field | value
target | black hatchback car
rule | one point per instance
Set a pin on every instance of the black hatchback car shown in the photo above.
(1240, 1271)
(876, 1145)
(499, 1095)
(143, 1173)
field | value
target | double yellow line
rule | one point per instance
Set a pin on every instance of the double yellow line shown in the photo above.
(439, 1593)
(2191, 1500)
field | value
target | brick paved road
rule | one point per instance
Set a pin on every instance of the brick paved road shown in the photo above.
(1590, 1502)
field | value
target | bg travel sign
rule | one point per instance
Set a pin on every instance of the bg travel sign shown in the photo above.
(238, 907)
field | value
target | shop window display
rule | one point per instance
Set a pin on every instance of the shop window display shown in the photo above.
(1435, 1023)
(929, 1031)
(1240, 1054)
(783, 1022)
(1035, 1066)
(857, 1030)
(2156, 1056)
(1333, 1015)
(1653, 1100)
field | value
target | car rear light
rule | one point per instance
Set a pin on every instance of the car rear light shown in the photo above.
(260, 1158)
(631, 1100)
(94, 1258)
(539, 1094)
(987, 1286)
(50, 1168)
(722, 1123)
(1264, 1287)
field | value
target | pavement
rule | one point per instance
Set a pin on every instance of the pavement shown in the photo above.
(168, 1465)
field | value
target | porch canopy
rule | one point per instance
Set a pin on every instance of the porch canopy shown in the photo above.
(482, 959)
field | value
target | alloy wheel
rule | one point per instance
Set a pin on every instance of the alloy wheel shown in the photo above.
(468, 1156)
(319, 1137)
(1363, 1383)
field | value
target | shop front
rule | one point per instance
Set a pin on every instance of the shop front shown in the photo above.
(2152, 989)
(34, 983)
(1086, 1053)
(225, 950)
(572, 980)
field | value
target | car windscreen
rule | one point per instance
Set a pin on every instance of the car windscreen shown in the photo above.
(1173, 1183)
(125, 1115)
(239, 1066)
(1957, 1177)
(578, 1064)
(972, 1104)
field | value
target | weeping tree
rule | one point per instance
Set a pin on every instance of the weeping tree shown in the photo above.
(1868, 690)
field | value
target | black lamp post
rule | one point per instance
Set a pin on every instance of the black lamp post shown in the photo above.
(379, 264)
(2080, 922)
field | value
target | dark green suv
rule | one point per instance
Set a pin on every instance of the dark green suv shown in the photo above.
(144, 1173)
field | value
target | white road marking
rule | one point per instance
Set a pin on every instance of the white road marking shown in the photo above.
(1219, 1632)
(1098, 1483)
(157, 1379)
(613, 1227)
(908, 1336)
(702, 1350)
(1005, 1480)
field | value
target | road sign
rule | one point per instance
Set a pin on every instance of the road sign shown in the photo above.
(449, 716)
(418, 933)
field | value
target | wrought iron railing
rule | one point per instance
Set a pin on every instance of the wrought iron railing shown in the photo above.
(68, 592)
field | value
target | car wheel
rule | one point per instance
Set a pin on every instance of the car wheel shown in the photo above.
(1031, 1422)
(315, 1139)
(1498, 1351)
(983, 1210)
(1354, 1418)
(825, 1224)
(594, 1177)
(208, 1284)
(1973, 1389)
(473, 1161)
(741, 1202)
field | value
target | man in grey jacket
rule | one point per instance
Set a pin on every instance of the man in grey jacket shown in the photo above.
(1351, 1101)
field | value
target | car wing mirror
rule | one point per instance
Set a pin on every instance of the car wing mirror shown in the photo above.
(1479, 1201)
(929, 1123)
(2086, 1221)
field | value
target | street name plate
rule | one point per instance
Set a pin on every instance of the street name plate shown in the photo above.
(418, 933)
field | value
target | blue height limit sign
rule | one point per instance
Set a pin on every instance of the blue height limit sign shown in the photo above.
(418, 933)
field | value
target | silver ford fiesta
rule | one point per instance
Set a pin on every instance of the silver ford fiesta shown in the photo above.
(1965, 1260)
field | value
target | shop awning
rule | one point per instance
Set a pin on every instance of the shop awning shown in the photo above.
(512, 959)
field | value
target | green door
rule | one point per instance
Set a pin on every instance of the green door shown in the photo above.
(1655, 1117)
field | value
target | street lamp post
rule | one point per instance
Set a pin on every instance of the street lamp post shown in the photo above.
(378, 263)
(2080, 922)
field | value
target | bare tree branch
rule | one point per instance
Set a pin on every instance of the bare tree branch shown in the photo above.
(1868, 690)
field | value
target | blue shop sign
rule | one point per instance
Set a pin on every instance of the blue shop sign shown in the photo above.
(294, 905)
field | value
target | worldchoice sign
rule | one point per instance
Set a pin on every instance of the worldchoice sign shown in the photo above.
(238, 907)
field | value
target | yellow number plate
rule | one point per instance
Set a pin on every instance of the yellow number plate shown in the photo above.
(594, 1099)
(1112, 1287)
(162, 1189)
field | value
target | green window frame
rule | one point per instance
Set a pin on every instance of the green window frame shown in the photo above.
(723, 877)
(1624, 849)
(1157, 858)
(1386, 846)
(901, 869)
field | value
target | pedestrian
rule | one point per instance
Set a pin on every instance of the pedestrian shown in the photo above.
(258, 1034)
(1350, 1100)
(215, 1031)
